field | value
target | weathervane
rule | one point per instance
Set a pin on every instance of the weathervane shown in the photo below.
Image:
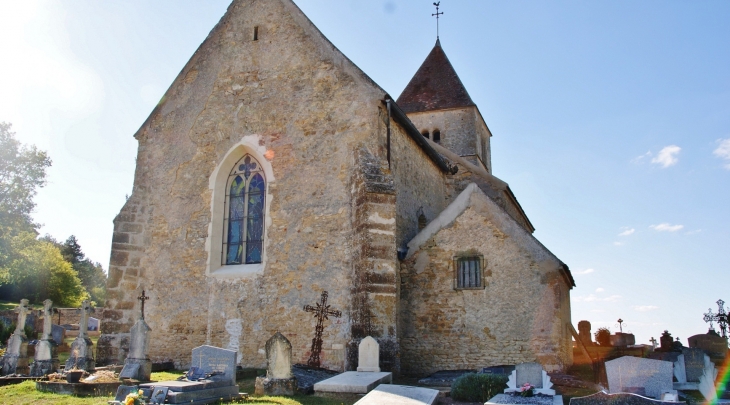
(437, 17)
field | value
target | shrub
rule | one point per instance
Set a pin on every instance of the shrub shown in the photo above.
(603, 337)
(477, 387)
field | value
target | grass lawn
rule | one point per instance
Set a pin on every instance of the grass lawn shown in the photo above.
(11, 305)
(26, 394)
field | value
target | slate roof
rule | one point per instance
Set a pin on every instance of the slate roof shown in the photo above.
(435, 86)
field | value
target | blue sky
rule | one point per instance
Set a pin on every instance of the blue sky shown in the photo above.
(611, 122)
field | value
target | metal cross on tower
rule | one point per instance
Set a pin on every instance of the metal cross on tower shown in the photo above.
(321, 311)
(437, 14)
(653, 342)
(721, 317)
(142, 299)
(620, 325)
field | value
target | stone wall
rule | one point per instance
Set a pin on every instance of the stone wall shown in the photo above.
(520, 315)
(463, 131)
(291, 98)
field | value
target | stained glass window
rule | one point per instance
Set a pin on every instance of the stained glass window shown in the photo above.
(245, 202)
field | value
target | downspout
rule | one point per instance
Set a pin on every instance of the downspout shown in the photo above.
(387, 102)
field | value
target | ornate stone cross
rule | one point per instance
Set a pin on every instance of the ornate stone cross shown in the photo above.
(84, 321)
(321, 311)
(721, 317)
(437, 14)
(653, 342)
(142, 298)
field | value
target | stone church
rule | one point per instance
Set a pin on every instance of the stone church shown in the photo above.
(275, 169)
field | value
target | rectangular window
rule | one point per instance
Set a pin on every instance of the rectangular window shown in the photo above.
(468, 272)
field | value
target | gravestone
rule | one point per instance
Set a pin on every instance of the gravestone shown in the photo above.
(123, 391)
(368, 355)
(15, 360)
(602, 398)
(706, 383)
(584, 333)
(137, 365)
(711, 343)
(390, 394)
(82, 348)
(279, 379)
(216, 368)
(694, 363)
(666, 343)
(634, 374)
(46, 357)
(93, 324)
(620, 339)
(530, 373)
(58, 333)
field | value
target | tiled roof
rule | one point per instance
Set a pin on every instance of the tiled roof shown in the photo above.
(435, 86)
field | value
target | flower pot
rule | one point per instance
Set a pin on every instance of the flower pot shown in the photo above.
(73, 377)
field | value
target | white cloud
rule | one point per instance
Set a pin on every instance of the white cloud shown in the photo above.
(645, 308)
(723, 151)
(640, 158)
(586, 271)
(666, 227)
(696, 231)
(627, 231)
(600, 290)
(594, 298)
(667, 156)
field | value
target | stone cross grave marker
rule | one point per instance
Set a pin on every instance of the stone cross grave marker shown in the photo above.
(15, 360)
(634, 374)
(46, 361)
(84, 320)
(210, 359)
(368, 355)
(278, 357)
(321, 312)
(23, 312)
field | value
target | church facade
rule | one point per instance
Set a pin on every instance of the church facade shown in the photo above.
(274, 169)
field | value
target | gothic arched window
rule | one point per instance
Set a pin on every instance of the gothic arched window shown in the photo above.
(243, 228)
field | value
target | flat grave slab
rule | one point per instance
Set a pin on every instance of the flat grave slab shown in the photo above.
(353, 382)
(443, 378)
(389, 394)
(602, 398)
(308, 376)
(80, 389)
(520, 400)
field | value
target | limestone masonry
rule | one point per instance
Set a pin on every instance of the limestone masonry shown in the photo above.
(274, 169)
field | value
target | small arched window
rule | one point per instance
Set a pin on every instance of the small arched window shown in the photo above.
(437, 136)
(425, 134)
(243, 226)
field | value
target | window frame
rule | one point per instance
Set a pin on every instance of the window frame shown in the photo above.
(482, 270)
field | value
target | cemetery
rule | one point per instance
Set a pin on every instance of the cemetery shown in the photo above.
(297, 236)
(621, 372)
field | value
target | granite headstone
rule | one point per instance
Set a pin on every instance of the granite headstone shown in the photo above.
(214, 360)
(694, 363)
(602, 398)
(627, 374)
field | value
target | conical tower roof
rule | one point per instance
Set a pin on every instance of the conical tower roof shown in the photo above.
(435, 86)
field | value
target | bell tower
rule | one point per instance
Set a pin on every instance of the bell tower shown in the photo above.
(437, 103)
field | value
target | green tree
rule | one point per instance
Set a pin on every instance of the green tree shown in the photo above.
(22, 172)
(91, 273)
